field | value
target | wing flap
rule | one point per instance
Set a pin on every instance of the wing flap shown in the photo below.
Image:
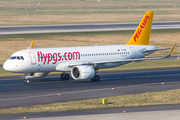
(155, 49)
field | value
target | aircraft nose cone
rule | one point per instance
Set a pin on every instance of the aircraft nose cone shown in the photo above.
(6, 66)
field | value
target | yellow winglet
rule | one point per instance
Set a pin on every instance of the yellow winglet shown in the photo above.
(171, 51)
(31, 46)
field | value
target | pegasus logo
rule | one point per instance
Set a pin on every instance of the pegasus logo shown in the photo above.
(141, 27)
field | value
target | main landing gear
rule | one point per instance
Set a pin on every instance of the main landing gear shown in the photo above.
(64, 76)
(96, 78)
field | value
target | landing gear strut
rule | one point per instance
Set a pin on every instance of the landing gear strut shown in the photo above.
(64, 76)
(26, 78)
(96, 78)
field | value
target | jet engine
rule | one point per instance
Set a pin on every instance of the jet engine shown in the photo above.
(82, 72)
(38, 74)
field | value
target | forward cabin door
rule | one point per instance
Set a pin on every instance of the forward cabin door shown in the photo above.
(33, 58)
(133, 52)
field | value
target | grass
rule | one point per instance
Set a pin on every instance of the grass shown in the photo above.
(12, 43)
(148, 65)
(142, 99)
(133, 65)
(5, 73)
(14, 12)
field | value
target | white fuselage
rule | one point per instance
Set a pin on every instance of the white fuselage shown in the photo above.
(47, 59)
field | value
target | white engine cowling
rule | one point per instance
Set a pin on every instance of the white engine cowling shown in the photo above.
(82, 72)
(38, 74)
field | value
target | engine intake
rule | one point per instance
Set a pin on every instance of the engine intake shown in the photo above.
(82, 72)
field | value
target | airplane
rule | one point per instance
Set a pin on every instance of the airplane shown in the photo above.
(84, 62)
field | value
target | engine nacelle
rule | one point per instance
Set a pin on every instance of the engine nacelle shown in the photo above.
(82, 72)
(64, 66)
(38, 74)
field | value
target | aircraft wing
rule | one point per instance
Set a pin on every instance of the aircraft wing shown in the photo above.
(139, 59)
(76, 64)
(155, 49)
(124, 60)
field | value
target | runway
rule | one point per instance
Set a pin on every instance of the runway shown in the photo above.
(5, 30)
(14, 93)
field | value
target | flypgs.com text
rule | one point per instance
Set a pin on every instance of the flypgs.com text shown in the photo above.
(55, 57)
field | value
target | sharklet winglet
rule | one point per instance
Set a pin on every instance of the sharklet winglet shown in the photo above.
(172, 50)
(31, 45)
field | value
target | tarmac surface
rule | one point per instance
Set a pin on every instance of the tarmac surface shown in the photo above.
(165, 112)
(5, 30)
(14, 93)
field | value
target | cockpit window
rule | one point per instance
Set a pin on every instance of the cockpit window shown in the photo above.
(22, 58)
(13, 57)
(16, 57)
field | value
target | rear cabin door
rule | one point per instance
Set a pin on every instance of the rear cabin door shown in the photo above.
(133, 52)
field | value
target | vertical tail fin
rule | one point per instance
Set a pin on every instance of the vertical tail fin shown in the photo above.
(142, 34)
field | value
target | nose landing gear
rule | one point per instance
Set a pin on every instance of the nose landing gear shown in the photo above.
(26, 81)
(27, 76)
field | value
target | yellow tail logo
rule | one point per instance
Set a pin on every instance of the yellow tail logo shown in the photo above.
(142, 34)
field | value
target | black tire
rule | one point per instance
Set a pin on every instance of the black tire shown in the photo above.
(92, 79)
(26, 81)
(66, 76)
(96, 78)
(62, 77)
